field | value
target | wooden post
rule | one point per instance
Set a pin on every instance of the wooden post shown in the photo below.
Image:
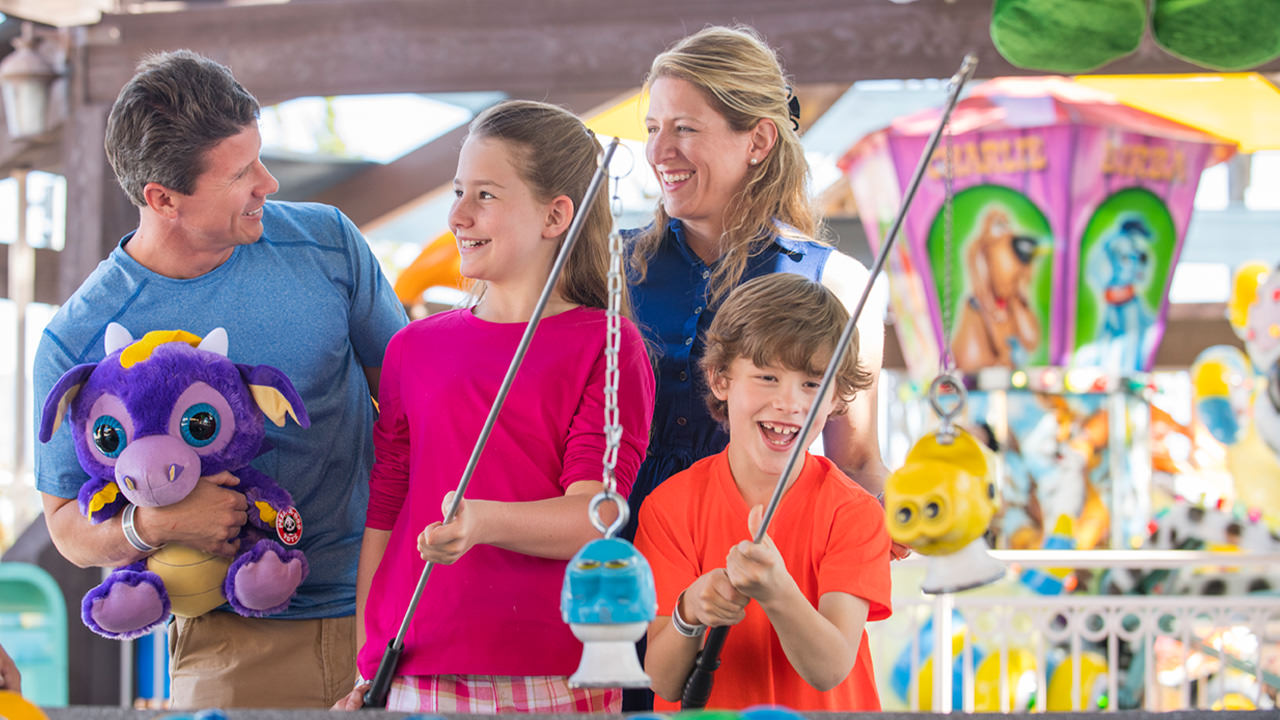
(98, 212)
(21, 275)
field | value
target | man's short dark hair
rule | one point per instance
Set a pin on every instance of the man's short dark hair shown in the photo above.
(176, 107)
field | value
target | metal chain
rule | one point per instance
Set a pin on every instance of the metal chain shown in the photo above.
(947, 377)
(612, 340)
(948, 240)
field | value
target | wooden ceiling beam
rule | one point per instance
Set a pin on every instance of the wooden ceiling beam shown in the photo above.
(373, 194)
(816, 99)
(45, 284)
(30, 154)
(336, 47)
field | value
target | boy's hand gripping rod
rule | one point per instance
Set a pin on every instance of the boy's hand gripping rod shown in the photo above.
(376, 696)
(697, 687)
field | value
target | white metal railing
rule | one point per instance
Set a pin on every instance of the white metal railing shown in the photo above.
(1004, 641)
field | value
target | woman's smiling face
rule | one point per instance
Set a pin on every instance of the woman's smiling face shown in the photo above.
(700, 161)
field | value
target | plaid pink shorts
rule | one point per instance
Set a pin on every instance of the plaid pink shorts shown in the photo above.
(489, 694)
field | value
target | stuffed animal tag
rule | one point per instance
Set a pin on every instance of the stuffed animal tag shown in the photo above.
(289, 526)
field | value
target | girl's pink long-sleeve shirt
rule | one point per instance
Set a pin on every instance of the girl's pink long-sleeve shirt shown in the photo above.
(494, 612)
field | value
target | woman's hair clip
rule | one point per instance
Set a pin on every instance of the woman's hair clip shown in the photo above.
(793, 109)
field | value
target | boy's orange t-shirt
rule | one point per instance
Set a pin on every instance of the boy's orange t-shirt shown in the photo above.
(831, 534)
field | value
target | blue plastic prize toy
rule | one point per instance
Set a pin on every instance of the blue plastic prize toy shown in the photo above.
(608, 600)
(608, 597)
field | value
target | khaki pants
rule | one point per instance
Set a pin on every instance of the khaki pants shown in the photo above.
(223, 660)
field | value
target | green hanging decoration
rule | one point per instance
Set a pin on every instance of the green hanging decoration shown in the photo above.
(1069, 36)
(1224, 35)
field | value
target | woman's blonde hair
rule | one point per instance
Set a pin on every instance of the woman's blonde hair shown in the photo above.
(555, 154)
(742, 79)
(788, 320)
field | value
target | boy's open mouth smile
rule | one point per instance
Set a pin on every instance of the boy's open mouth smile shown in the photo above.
(779, 435)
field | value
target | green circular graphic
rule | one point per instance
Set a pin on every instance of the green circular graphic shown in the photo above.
(971, 208)
(1130, 204)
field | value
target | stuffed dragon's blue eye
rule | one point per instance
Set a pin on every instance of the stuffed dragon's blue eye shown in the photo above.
(199, 425)
(109, 436)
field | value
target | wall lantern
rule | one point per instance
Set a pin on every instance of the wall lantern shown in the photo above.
(26, 77)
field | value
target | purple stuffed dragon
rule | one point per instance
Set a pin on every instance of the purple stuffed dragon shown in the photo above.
(148, 421)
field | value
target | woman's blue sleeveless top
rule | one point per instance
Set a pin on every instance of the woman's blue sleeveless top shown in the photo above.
(670, 309)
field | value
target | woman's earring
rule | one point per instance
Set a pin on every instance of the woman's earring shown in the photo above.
(755, 161)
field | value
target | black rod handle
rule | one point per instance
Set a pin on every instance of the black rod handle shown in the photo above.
(697, 687)
(376, 695)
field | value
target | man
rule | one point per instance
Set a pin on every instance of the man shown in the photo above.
(296, 287)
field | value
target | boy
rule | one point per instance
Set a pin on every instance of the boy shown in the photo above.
(824, 569)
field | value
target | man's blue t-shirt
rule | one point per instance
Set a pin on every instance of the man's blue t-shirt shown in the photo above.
(307, 298)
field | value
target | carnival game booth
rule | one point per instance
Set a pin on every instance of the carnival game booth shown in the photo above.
(1061, 205)
(1035, 264)
(1038, 254)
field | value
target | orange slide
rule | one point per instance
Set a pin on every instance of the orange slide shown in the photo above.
(438, 264)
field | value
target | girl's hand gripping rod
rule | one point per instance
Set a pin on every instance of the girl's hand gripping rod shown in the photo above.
(697, 687)
(376, 696)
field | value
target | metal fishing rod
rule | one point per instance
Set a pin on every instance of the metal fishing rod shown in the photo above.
(376, 696)
(697, 687)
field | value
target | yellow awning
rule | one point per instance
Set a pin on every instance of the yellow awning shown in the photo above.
(624, 120)
(1239, 107)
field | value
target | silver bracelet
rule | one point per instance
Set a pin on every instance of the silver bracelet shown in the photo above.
(361, 681)
(131, 533)
(682, 627)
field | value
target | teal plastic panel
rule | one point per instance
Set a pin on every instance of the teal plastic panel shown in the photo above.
(33, 630)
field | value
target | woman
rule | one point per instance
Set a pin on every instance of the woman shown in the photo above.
(735, 205)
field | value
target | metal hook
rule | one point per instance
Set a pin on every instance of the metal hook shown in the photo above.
(615, 202)
(967, 66)
(618, 173)
(624, 512)
(947, 416)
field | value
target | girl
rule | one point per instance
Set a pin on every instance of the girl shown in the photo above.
(487, 636)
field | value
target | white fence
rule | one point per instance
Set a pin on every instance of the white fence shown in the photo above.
(1009, 650)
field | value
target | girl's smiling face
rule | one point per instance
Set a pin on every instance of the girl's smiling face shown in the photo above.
(499, 224)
